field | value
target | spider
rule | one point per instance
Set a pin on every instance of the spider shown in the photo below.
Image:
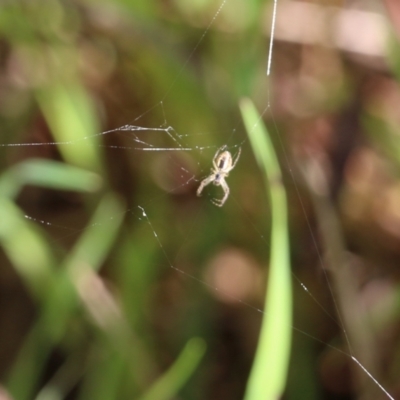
(223, 163)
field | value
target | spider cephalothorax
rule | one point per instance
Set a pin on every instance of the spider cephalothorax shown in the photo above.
(223, 163)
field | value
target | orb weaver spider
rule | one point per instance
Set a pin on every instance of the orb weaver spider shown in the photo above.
(223, 163)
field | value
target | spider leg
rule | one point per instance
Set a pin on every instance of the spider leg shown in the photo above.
(219, 151)
(204, 183)
(236, 158)
(225, 188)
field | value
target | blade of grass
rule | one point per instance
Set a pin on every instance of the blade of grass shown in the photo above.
(178, 374)
(62, 299)
(104, 378)
(70, 114)
(26, 248)
(269, 372)
(49, 174)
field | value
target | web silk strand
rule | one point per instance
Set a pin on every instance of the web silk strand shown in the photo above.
(271, 40)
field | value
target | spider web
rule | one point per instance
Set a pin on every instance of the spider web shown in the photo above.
(162, 143)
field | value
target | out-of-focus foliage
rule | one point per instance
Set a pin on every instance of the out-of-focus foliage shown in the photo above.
(116, 282)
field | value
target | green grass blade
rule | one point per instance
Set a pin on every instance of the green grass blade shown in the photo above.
(49, 174)
(70, 114)
(26, 248)
(269, 372)
(104, 378)
(62, 299)
(177, 375)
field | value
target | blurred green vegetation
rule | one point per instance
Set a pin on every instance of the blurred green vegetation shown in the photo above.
(116, 281)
